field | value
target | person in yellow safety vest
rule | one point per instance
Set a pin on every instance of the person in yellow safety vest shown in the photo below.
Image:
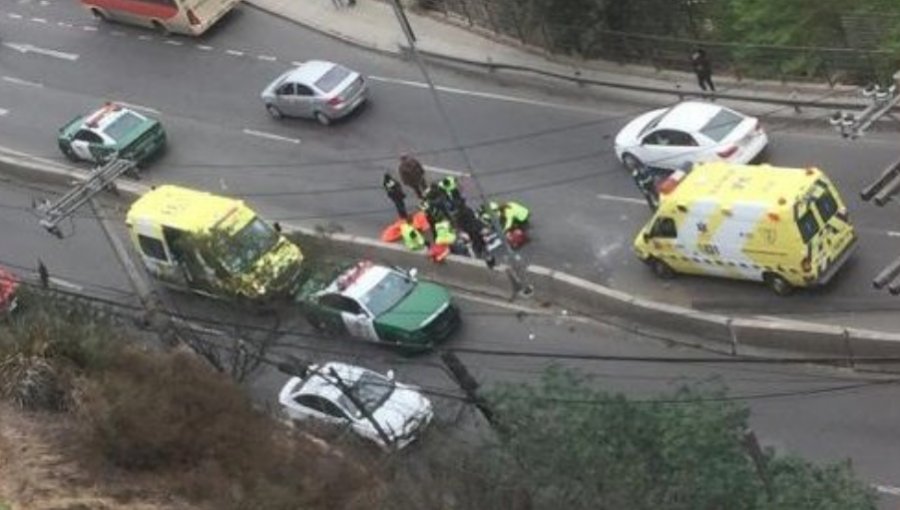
(412, 238)
(444, 233)
(512, 214)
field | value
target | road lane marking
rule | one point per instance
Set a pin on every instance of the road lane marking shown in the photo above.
(145, 37)
(267, 58)
(893, 233)
(64, 283)
(138, 107)
(615, 198)
(87, 28)
(14, 15)
(445, 171)
(3, 111)
(485, 95)
(39, 20)
(19, 81)
(24, 49)
(270, 136)
(887, 489)
(296, 63)
(235, 53)
(204, 47)
(173, 42)
(64, 24)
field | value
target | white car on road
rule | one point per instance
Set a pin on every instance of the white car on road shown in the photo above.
(690, 132)
(400, 410)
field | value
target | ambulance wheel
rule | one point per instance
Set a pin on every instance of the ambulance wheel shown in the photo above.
(631, 162)
(778, 284)
(661, 269)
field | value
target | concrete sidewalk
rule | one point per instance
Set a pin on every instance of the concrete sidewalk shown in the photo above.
(372, 24)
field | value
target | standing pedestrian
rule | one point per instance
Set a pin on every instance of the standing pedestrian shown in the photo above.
(395, 192)
(647, 185)
(703, 69)
(412, 174)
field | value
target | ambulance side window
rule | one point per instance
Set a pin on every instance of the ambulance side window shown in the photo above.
(664, 227)
(152, 248)
(808, 225)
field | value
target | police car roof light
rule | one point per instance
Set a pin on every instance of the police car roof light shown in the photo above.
(107, 107)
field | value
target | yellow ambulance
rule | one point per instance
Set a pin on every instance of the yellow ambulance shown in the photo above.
(787, 227)
(212, 245)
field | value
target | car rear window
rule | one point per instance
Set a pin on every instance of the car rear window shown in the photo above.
(123, 125)
(808, 225)
(332, 78)
(721, 124)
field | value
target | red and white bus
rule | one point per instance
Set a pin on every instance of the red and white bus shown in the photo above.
(190, 17)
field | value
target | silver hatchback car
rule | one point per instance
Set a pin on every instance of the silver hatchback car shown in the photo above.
(317, 89)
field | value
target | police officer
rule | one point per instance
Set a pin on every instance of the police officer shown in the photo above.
(395, 193)
(450, 186)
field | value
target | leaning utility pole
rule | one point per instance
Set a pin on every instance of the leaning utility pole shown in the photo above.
(514, 263)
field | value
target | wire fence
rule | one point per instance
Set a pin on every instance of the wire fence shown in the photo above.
(667, 44)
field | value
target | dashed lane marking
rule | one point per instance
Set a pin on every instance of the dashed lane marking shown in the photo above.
(138, 107)
(3, 111)
(616, 198)
(173, 42)
(88, 28)
(893, 233)
(267, 58)
(235, 53)
(19, 81)
(14, 15)
(887, 489)
(39, 20)
(204, 47)
(145, 38)
(271, 136)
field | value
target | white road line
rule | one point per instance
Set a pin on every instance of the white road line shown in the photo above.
(3, 111)
(39, 20)
(19, 81)
(173, 42)
(145, 37)
(485, 95)
(267, 58)
(204, 47)
(235, 53)
(64, 24)
(14, 15)
(64, 283)
(138, 107)
(270, 136)
(887, 489)
(445, 171)
(87, 28)
(615, 198)
(893, 233)
(296, 63)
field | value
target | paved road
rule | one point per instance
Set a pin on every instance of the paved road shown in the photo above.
(811, 417)
(548, 146)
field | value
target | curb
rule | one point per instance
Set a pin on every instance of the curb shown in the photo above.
(732, 335)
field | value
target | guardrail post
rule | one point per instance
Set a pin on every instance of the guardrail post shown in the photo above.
(851, 362)
(793, 97)
(734, 338)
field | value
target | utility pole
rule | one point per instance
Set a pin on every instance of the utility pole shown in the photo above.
(514, 263)
(469, 386)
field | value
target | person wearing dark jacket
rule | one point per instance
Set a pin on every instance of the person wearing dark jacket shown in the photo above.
(412, 174)
(703, 69)
(395, 192)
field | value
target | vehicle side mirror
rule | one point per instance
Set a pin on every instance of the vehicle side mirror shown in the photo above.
(413, 273)
(390, 375)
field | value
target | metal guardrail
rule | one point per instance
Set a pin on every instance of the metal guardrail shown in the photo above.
(795, 103)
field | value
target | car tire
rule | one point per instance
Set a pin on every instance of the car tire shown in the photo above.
(160, 28)
(68, 153)
(99, 15)
(274, 111)
(662, 270)
(322, 119)
(778, 284)
(631, 162)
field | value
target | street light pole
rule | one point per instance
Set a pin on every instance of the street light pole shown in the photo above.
(514, 263)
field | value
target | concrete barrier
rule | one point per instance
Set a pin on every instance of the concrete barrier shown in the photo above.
(735, 335)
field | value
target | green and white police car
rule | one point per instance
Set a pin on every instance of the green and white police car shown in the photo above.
(112, 131)
(379, 304)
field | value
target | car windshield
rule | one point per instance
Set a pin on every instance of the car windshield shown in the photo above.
(120, 127)
(721, 124)
(387, 293)
(371, 390)
(332, 78)
(240, 251)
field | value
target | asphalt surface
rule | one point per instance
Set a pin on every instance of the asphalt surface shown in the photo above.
(820, 413)
(548, 146)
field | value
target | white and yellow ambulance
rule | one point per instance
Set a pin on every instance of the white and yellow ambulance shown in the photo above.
(787, 227)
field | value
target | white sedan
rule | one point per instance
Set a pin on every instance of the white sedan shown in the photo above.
(400, 410)
(691, 132)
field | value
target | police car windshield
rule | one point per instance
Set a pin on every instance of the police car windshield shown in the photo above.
(371, 390)
(387, 293)
(240, 251)
(120, 127)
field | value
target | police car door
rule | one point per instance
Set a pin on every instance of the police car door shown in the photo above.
(358, 320)
(81, 144)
